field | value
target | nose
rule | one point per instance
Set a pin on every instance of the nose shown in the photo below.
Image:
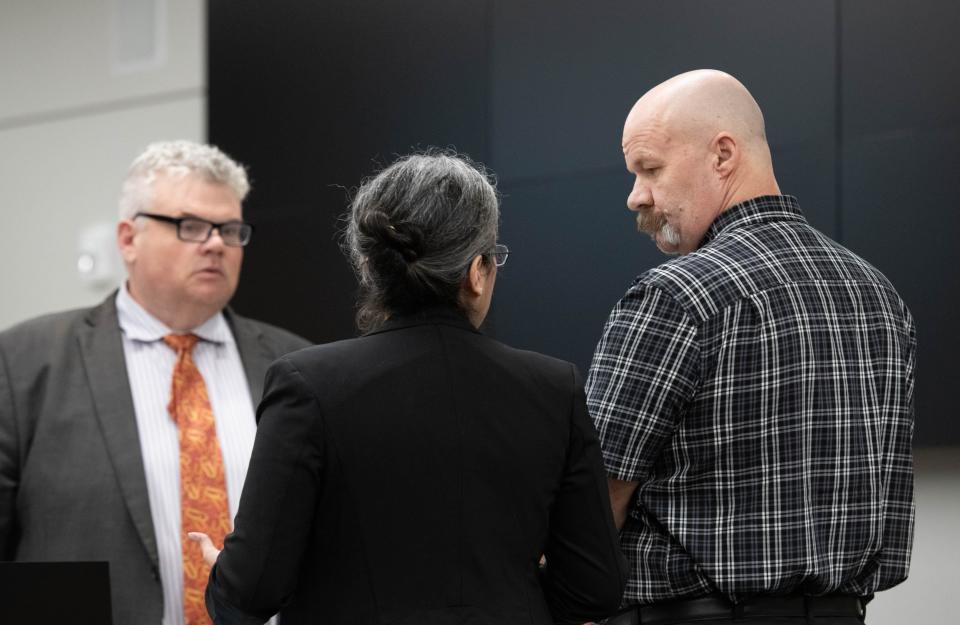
(214, 242)
(640, 196)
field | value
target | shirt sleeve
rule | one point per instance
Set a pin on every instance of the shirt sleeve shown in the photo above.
(644, 372)
(898, 520)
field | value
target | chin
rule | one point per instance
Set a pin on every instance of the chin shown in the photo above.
(213, 298)
(666, 247)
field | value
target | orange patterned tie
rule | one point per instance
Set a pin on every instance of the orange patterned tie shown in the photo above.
(203, 487)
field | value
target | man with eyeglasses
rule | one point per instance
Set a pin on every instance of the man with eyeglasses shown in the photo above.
(124, 426)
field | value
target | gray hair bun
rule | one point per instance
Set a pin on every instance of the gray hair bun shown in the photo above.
(406, 239)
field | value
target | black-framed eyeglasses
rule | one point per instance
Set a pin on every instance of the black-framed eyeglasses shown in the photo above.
(500, 254)
(195, 230)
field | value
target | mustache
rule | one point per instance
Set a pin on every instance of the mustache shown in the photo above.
(650, 222)
(655, 224)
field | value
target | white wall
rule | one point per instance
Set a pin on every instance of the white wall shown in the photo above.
(84, 87)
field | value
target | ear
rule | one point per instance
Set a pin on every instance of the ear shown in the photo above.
(475, 279)
(726, 153)
(126, 233)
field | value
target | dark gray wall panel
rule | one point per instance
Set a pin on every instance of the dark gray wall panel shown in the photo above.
(861, 99)
(313, 96)
(901, 128)
(566, 73)
(900, 215)
(808, 171)
(901, 65)
(577, 251)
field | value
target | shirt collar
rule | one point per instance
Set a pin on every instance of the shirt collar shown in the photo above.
(139, 325)
(758, 210)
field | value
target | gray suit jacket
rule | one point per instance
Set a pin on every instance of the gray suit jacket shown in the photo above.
(72, 484)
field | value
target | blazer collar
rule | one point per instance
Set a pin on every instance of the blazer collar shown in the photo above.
(101, 348)
(255, 352)
(224, 327)
(427, 316)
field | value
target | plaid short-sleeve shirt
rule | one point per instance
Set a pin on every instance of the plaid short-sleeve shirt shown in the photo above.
(760, 390)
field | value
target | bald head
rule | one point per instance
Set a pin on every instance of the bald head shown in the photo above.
(697, 146)
(700, 104)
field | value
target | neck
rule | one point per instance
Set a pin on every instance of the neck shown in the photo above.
(179, 318)
(476, 318)
(748, 187)
(472, 308)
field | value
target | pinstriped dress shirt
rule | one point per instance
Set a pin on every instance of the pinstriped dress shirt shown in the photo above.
(760, 390)
(150, 366)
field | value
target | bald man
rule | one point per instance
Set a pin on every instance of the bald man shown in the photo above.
(753, 394)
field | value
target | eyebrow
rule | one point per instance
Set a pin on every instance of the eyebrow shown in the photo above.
(186, 215)
(641, 158)
(641, 151)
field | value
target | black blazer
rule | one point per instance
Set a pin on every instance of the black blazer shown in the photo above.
(416, 475)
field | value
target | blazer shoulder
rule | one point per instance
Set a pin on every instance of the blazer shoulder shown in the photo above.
(47, 330)
(280, 340)
(536, 359)
(337, 354)
(358, 352)
(534, 366)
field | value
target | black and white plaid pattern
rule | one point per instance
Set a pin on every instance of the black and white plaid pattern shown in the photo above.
(760, 391)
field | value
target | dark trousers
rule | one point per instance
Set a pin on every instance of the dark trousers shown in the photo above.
(782, 620)
(768, 610)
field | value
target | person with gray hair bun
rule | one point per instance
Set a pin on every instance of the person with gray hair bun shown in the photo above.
(418, 473)
(414, 231)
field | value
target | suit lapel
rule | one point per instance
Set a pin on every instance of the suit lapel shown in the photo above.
(254, 353)
(101, 347)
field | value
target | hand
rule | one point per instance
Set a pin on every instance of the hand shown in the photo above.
(210, 552)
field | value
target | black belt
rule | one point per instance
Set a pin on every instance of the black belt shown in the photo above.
(717, 606)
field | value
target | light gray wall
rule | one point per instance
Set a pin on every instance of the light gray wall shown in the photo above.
(86, 86)
(926, 598)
